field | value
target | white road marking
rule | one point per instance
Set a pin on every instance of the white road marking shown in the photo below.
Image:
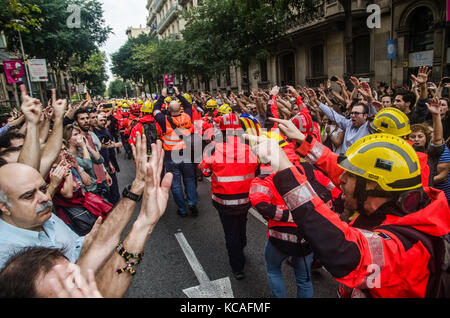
(220, 288)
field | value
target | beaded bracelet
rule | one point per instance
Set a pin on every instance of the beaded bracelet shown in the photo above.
(126, 255)
(131, 265)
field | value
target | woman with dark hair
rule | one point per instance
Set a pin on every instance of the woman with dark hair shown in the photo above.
(424, 140)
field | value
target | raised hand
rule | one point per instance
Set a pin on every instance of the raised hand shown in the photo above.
(269, 152)
(68, 282)
(434, 107)
(366, 91)
(288, 129)
(59, 106)
(31, 107)
(422, 75)
(156, 192)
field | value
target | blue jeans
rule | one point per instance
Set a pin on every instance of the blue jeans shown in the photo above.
(182, 172)
(274, 258)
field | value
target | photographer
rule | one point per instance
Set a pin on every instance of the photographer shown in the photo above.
(176, 128)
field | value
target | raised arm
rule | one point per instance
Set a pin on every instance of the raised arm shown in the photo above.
(31, 150)
(53, 146)
(95, 255)
(154, 203)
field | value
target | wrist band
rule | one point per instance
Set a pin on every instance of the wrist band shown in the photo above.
(131, 265)
(126, 255)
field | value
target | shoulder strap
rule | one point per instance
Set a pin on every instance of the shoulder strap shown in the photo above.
(435, 247)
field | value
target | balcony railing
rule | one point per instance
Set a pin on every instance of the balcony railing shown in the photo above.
(151, 18)
(173, 11)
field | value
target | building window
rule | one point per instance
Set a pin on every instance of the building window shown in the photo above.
(361, 54)
(421, 37)
(263, 70)
(317, 68)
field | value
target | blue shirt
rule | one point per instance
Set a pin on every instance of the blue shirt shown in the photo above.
(56, 234)
(4, 129)
(352, 133)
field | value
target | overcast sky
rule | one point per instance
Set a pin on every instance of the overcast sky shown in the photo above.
(119, 15)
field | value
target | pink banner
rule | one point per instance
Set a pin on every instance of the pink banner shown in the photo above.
(168, 79)
(14, 71)
(448, 10)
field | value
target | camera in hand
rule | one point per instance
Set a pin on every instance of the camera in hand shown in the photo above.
(283, 89)
(170, 90)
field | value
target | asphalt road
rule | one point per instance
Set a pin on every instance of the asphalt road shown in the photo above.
(165, 270)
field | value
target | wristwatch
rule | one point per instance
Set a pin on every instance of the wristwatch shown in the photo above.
(130, 195)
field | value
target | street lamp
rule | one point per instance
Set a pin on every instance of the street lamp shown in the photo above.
(23, 56)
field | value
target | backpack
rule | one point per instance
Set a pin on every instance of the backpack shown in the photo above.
(151, 133)
(439, 265)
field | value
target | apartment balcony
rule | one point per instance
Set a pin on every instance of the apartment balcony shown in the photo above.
(151, 18)
(149, 4)
(158, 4)
(167, 19)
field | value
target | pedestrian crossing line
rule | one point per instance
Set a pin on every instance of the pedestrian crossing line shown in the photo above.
(251, 210)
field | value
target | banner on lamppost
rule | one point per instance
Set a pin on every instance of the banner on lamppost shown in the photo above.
(168, 79)
(14, 71)
(38, 70)
(448, 10)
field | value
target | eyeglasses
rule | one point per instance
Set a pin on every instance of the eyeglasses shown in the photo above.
(356, 113)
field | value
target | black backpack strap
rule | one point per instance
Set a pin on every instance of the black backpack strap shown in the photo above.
(409, 236)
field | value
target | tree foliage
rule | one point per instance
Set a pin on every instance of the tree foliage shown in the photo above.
(217, 35)
(55, 41)
(92, 72)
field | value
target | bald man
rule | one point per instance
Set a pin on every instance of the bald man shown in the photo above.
(26, 217)
(176, 128)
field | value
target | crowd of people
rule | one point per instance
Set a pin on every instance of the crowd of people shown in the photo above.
(350, 177)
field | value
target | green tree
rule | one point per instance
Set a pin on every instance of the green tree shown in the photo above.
(221, 33)
(116, 89)
(27, 11)
(92, 72)
(56, 41)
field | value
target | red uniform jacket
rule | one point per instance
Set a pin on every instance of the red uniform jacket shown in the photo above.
(366, 255)
(232, 166)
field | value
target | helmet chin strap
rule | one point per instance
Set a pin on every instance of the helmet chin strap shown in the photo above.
(361, 194)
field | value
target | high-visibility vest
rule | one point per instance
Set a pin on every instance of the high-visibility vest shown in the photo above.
(171, 138)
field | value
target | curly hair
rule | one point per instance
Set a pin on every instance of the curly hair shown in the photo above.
(423, 128)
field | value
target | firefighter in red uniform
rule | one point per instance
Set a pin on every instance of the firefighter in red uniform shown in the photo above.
(233, 166)
(284, 237)
(383, 252)
(146, 125)
(123, 125)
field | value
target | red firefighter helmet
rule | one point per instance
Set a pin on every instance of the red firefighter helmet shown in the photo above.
(229, 121)
(135, 108)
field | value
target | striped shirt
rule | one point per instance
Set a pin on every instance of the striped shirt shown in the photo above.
(445, 185)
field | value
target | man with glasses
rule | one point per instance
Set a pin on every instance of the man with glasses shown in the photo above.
(356, 127)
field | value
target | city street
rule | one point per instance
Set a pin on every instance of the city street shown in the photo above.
(165, 270)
